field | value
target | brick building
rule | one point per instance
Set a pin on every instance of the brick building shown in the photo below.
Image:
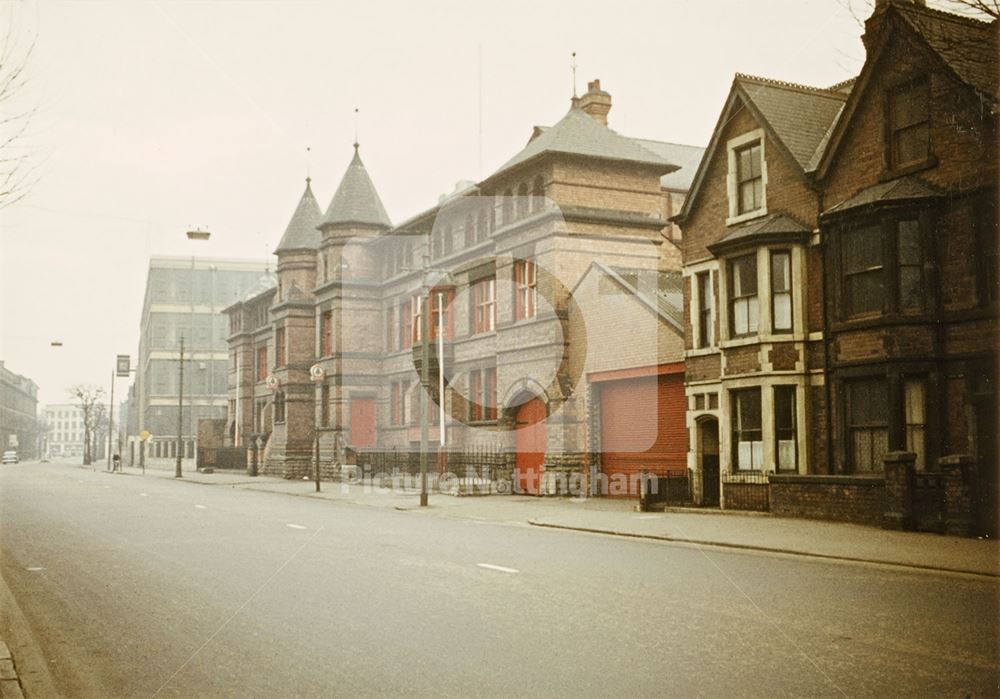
(18, 413)
(840, 276)
(338, 337)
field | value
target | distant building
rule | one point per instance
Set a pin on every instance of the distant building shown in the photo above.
(64, 430)
(18, 413)
(184, 298)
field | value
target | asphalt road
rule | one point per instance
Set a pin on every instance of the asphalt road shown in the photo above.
(147, 587)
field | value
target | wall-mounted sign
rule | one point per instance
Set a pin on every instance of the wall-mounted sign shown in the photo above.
(123, 365)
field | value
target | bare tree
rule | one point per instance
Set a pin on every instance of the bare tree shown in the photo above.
(88, 398)
(980, 8)
(17, 171)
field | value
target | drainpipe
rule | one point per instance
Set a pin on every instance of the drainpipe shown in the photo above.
(827, 391)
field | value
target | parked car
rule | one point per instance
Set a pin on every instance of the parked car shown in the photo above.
(9, 457)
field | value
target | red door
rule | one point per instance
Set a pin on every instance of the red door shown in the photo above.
(642, 430)
(362, 422)
(531, 440)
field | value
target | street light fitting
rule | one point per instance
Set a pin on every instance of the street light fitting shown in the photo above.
(55, 343)
(198, 234)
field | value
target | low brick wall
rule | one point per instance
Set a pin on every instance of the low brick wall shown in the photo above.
(858, 499)
(746, 496)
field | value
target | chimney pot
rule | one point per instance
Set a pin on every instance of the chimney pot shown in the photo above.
(596, 103)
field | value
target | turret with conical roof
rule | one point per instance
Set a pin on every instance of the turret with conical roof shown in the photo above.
(301, 232)
(297, 250)
(356, 204)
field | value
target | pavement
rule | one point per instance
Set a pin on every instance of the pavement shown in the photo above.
(10, 685)
(702, 527)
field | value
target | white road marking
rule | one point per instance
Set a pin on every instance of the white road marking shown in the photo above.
(143, 495)
(35, 569)
(502, 569)
(200, 507)
(650, 517)
(296, 526)
(107, 487)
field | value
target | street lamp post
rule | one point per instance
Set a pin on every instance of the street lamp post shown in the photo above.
(180, 413)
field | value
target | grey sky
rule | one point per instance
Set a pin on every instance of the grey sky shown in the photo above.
(155, 117)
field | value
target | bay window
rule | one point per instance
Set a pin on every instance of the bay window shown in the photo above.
(867, 424)
(781, 291)
(743, 308)
(748, 444)
(784, 428)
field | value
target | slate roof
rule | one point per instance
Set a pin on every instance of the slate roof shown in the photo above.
(266, 282)
(763, 227)
(356, 200)
(660, 290)
(301, 232)
(578, 133)
(967, 45)
(902, 189)
(686, 157)
(800, 116)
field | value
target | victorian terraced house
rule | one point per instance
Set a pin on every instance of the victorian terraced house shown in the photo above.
(840, 285)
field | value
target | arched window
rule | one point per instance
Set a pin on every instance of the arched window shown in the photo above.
(508, 207)
(522, 200)
(470, 234)
(538, 194)
(449, 240)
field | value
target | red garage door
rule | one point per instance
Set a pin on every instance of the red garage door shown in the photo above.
(642, 430)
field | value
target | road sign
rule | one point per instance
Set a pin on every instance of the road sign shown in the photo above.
(272, 382)
(144, 435)
(123, 365)
(317, 373)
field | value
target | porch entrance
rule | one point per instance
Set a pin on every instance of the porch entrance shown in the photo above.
(708, 458)
(531, 442)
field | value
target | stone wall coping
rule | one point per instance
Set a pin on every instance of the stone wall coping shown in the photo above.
(956, 459)
(826, 479)
(899, 457)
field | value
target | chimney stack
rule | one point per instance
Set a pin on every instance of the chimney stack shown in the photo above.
(596, 102)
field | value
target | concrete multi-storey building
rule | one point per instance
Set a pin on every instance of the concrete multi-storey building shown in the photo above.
(329, 357)
(64, 430)
(18, 413)
(840, 281)
(184, 300)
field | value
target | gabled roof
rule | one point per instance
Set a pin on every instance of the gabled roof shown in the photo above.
(578, 133)
(356, 201)
(301, 232)
(901, 189)
(797, 118)
(967, 47)
(800, 116)
(770, 227)
(662, 291)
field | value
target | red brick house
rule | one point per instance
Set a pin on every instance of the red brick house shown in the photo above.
(909, 183)
(840, 285)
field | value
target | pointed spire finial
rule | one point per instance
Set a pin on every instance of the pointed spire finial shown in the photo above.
(573, 67)
(308, 165)
(355, 129)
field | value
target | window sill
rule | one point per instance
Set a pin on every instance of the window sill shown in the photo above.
(748, 216)
(701, 351)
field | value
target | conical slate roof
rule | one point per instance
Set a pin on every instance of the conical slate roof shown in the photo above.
(301, 232)
(578, 133)
(356, 200)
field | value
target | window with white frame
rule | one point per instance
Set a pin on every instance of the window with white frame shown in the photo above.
(748, 436)
(743, 306)
(781, 291)
(784, 428)
(747, 177)
(706, 334)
